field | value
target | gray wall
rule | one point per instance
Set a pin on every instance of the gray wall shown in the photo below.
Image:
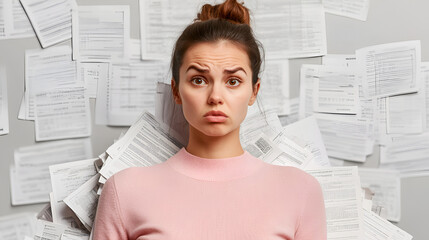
(388, 21)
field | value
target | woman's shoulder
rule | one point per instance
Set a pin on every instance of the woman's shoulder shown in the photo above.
(133, 175)
(292, 174)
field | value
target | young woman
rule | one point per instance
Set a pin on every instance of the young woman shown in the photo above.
(213, 189)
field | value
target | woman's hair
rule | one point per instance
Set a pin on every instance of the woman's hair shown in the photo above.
(227, 21)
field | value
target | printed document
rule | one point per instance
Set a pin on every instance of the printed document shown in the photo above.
(4, 109)
(357, 9)
(101, 32)
(14, 23)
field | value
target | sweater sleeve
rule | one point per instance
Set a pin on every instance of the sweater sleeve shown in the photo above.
(312, 223)
(108, 223)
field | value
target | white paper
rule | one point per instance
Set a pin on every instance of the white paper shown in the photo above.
(274, 90)
(425, 88)
(145, 143)
(17, 226)
(47, 69)
(161, 23)
(51, 231)
(130, 90)
(83, 201)
(406, 113)
(336, 90)
(308, 130)
(406, 153)
(290, 29)
(390, 69)
(342, 195)
(293, 109)
(386, 186)
(51, 19)
(72, 237)
(14, 23)
(357, 9)
(30, 179)
(259, 120)
(91, 73)
(101, 32)
(378, 228)
(345, 137)
(61, 214)
(62, 113)
(4, 110)
(308, 75)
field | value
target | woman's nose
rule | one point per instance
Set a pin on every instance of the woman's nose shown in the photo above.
(215, 95)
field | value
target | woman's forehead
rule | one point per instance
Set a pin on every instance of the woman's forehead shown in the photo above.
(218, 54)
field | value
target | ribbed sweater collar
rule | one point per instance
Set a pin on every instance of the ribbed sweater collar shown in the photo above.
(214, 169)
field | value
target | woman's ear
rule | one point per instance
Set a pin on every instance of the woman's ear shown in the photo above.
(255, 92)
(175, 91)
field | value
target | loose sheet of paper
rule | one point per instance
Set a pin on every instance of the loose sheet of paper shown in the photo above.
(345, 137)
(389, 69)
(290, 29)
(51, 19)
(51, 231)
(4, 109)
(47, 69)
(357, 9)
(83, 201)
(65, 179)
(425, 79)
(342, 194)
(406, 153)
(378, 228)
(130, 90)
(17, 226)
(406, 114)
(161, 23)
(62, 113)
(14, 23)
(386, 186)
(91, 73)
(274, 90)
(146, 143)
(308, 130)
(292, 106)
(30, 179)
(101, 32)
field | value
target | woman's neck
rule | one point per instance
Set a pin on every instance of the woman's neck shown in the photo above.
(205, 146)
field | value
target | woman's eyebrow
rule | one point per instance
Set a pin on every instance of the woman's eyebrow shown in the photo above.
(234, 70)
(201, 70)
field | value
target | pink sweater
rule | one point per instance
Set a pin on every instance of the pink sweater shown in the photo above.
(193, 198)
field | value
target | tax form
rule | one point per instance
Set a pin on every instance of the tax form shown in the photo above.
(308, 76)
(17, 226)
(62, 113)
(161, 23)
(30, 179)
(65, 179)
(389, 69)
(345, 137)
(52, 231)
(130, 90)
(343, 202)
(91, 73)
(51, 19)
(290, 29)
(83, 201)
(274, 90)
(425, 79)
(4, 109)
(47, 69)
(378, 228)
(406, 153)
(14, 23)
(146, 143)
(101, 32)
(406, 113)
(357, 9)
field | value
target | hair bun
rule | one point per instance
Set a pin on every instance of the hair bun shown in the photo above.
(229, 10)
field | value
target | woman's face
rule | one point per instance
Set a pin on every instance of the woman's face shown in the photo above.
(215, 87)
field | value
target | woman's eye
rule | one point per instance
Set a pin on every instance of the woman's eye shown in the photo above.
(198, 81)
(233, 82)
